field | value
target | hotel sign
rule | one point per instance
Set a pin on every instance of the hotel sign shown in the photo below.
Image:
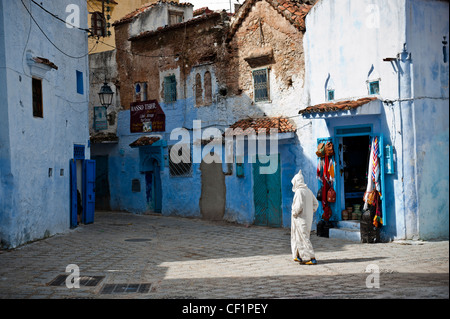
(147, 116)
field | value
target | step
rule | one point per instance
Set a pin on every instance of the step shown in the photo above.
(350, 234)
(350, 224)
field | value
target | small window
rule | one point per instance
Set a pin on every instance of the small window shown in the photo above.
(208, 88)
(170, 89)
(78, 152)
(80, 88)
(330, 95)
(37, 98)
(374, 87)
(140, 92)
(261, 85)
(98, 24)
(136, 186)
(183, 168)
(175, 17)
(198, 90)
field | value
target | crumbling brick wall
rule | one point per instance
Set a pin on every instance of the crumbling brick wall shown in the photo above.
(179, 47)
(264, 27)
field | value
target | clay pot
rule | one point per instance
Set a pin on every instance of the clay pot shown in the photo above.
(349, 209)
(344, 214)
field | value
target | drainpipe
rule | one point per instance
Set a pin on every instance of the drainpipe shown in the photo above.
(409, 177)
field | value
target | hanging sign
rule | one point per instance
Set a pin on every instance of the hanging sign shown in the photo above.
(147, 116)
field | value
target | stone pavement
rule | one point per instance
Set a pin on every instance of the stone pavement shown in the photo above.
(156, 257)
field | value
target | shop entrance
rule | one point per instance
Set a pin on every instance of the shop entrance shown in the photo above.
(355, 161)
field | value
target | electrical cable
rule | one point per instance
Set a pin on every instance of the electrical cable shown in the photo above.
(68, 55)
(58, 18)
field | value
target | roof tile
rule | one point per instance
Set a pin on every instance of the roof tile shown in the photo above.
(337, 106)
(250, 125)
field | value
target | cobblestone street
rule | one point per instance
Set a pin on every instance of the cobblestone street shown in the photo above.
(156, 257)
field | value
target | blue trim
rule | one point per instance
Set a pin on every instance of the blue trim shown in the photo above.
(353, 130)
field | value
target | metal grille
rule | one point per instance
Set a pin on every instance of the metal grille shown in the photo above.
(126, 288)
(170, 89)
(184, 167)
(78, 151)
(261, 85)
(87, 281)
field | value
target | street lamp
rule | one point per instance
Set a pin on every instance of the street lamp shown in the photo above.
(106, 95)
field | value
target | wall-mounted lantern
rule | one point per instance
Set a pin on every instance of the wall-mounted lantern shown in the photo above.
(106, 95)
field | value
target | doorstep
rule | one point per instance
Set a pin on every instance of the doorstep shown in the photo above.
(346, 229)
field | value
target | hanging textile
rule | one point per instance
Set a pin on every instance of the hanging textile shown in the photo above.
(373, 191)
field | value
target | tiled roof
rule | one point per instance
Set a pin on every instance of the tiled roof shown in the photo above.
(130, 16)
(145, 140)
(294, 11)
(337, 106)
(203, 10)
(45, 61)
(253, 125)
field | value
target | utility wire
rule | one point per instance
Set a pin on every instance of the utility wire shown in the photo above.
(68, 55)
(58, 18)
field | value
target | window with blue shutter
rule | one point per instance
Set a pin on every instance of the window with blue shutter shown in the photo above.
(80, 88)
(260, 84)
(170, 89)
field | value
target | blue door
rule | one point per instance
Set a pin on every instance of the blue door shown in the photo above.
(267, 196)
(153, 188)
(73, 194)
(88, 191)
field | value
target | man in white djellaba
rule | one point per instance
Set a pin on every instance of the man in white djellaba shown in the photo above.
(304, 206)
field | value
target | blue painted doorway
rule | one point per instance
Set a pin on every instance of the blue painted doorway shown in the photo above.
(153, 188)
(82, 188)
(267, 195)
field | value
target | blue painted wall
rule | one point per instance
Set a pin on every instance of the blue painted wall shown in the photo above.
(33, 203)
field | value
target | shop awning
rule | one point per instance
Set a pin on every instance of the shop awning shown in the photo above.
(146, 141)
(363, 106)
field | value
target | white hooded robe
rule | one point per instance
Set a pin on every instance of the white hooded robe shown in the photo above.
(304, 206)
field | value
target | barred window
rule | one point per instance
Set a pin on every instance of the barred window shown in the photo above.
(261, 85)
(98, 24)
(170, 89)
(180, 163)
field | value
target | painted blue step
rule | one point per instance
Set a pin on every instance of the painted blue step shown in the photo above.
(346, 229)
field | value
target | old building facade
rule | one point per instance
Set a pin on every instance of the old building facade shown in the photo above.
(379, 69)
(44, 138)
(200, 73)
(183, 78)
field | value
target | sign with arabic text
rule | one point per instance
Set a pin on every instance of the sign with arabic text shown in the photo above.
(147, 116)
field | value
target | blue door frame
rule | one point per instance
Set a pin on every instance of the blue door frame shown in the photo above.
(88, 190)
(351, 131)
